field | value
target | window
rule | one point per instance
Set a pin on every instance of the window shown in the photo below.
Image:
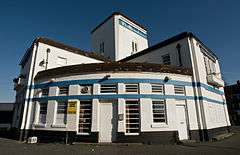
(63, 90)
(86, 89)
(101, 48)
(85, 117)
(45, 91)
(132, 117)
(179, 90)
(131, 88)
(61, 112)
(159, 111)
(157, 88)
(108, 88)
(42, 112)
(166, 59)
(61, 61)
(134, 47)
(209, 66)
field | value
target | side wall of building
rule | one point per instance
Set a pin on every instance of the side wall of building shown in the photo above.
(40, 60)
(127, 34)
(105, 35)
(193, 57)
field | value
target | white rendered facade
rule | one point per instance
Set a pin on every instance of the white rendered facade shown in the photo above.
(119, 36)
(185, 106)
(41, 56)
(193, 53)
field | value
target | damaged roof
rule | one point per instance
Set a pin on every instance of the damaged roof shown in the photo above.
(111, 67)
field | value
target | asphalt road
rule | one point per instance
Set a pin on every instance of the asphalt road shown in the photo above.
(229, 146)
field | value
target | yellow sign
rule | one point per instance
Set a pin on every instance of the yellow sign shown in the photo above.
(72, 107)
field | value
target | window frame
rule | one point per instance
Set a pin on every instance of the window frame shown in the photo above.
(115, 92)
(164, 109)
(157, 84)
(90, 118)
(60, 59)
(39, 113)
(63, 87)
(126, 117)
(166, 57)
(43, 90)
(184, 90)
(101, 48)
(131, 92)
(56, 122)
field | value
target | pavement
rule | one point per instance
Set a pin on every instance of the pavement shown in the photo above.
(229, 146)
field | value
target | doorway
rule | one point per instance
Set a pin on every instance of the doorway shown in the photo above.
(181, 120)
(108, 121)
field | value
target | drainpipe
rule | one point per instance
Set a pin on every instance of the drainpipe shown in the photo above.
(198, 102)
(48, 51)
(179, 54)
(29, 94)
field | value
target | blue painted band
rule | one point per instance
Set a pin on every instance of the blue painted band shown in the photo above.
(133, 29)
(128, 80)
(125, 96)
(109, 81)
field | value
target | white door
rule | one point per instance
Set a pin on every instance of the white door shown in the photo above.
(108, 122)
(181, 122)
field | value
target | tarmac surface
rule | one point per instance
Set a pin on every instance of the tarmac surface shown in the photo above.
(229, 146)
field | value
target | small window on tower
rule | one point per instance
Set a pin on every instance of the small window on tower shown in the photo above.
(135, 47)
(132, 46)
(101, 48)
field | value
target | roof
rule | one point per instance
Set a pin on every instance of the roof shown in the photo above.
(118, 13)
(63, 46)
(6, 106)
(109, 67)
(167, 42)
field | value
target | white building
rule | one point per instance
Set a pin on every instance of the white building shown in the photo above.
(118, 37)
(164, 93)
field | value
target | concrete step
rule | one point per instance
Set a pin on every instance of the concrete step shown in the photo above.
(222, 136)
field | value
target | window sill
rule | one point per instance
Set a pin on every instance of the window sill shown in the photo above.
(40, 125)
(58, 125)
(131, 134)
(83, 134)
(159, 125)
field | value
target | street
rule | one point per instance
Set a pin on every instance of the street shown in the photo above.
(228, 146)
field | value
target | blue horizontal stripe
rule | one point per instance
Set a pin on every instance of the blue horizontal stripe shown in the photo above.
(128, 80)
(133, 29)
(210, 88)
(125, 96)
(109, 81)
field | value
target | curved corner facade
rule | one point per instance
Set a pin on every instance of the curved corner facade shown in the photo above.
(168, 92)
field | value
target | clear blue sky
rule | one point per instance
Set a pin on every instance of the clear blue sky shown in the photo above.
(215, 22)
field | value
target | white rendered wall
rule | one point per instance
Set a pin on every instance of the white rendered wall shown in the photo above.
(124, 38)
(105, 34)
(193, 58)
(145, 103)
(216, 115)
(117, 38)
(155, 56)
(32, 67)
